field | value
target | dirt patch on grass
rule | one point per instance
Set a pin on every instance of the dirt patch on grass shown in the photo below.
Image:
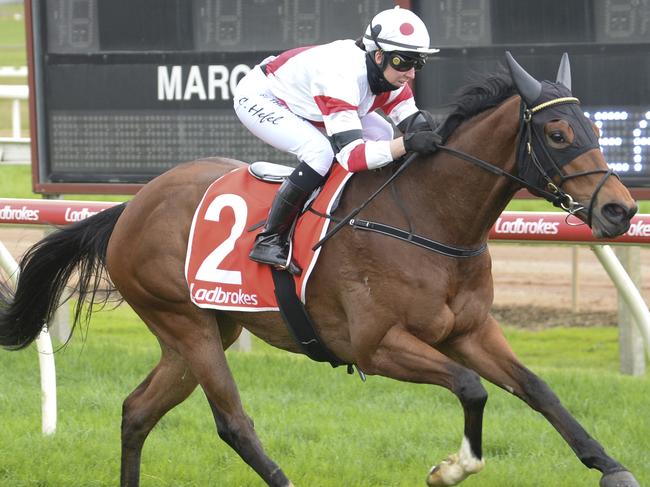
(539, 318)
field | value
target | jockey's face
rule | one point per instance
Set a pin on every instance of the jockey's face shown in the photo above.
(392, 75)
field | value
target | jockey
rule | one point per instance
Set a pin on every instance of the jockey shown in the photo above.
(318, 103)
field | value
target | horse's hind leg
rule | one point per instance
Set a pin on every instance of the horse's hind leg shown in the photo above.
(402, 356)
(196, 337)
(168, 384)
(487, 352)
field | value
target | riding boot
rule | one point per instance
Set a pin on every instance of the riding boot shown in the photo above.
(272, 245)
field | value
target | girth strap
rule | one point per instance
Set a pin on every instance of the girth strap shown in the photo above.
(298, 321)
(423, 242)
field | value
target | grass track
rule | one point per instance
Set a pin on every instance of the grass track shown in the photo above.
(12, 35)
(325, 428)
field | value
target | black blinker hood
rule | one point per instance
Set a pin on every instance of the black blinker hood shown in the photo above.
(552, 159)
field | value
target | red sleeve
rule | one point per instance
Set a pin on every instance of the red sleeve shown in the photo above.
(357, 159)
(404, 95)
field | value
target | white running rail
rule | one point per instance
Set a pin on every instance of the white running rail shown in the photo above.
(13, 72)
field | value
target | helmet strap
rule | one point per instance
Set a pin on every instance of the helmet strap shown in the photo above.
(376, 80)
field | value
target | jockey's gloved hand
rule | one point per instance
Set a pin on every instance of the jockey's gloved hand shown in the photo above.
(418, 122)
(424, 142)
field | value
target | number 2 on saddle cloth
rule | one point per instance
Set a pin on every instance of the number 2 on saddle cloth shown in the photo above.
(217, 268)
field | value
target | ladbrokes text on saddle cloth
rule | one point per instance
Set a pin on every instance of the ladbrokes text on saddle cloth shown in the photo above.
(217, 268)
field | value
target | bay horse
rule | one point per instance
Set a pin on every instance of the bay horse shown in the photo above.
(392, 309)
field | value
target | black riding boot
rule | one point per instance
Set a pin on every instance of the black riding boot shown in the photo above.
(272, 246)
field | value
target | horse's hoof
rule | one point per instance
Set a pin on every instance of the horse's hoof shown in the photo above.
(452, 471)
(439, 475)
(619, 479)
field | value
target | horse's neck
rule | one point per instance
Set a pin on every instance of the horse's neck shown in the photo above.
(455, 201)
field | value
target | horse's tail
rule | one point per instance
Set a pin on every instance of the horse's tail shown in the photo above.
(44, 272)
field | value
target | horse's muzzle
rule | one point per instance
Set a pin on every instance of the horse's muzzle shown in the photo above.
(612, 219)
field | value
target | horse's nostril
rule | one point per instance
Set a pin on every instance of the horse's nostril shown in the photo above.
(616, 213)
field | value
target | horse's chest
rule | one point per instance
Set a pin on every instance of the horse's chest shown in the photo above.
(435, 319)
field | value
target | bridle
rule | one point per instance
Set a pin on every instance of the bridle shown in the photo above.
(561, 198)
(552, 192)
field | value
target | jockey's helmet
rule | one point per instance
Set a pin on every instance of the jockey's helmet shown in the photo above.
(397, 29)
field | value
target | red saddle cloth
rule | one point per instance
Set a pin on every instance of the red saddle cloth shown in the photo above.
(217, 268)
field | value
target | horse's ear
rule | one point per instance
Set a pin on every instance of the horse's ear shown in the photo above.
(564, 72)
(529, 88)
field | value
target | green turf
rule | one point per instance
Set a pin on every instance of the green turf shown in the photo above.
(12, 35)
(325, 428)
(16, 182)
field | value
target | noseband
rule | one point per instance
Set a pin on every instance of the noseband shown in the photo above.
(554, 192)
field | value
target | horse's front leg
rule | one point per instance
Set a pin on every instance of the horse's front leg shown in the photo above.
(487, 352)
(402, 356)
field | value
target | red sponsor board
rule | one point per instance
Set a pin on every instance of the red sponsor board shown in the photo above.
(511, 225)
(556, 227)
(48, 212)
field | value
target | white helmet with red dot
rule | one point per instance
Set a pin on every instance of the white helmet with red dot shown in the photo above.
(397, 29)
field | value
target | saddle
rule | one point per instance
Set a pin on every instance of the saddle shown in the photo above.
(269, 172)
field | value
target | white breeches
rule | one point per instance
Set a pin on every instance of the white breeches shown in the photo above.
(269, 119)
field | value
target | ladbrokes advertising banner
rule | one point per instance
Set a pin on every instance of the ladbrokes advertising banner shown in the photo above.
(511, 225)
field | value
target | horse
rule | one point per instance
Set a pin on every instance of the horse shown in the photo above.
(390, 308)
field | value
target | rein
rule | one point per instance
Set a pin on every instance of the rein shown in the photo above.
(553, 192)
(348, 219)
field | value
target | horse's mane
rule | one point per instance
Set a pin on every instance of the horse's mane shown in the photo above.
(485, 91)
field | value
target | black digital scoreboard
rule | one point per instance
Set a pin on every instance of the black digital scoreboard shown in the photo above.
(126, 89)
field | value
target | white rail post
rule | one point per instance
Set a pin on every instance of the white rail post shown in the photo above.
(15, 118)
(630, 340)
(45, 355)
(575, 279)
(627, 290)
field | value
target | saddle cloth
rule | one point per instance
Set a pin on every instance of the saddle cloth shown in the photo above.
(217, 268)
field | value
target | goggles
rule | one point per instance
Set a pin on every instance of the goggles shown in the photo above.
(402, 62)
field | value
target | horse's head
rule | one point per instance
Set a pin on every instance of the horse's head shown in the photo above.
(560, 155)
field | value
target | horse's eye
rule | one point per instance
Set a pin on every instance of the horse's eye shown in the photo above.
(557, 137)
